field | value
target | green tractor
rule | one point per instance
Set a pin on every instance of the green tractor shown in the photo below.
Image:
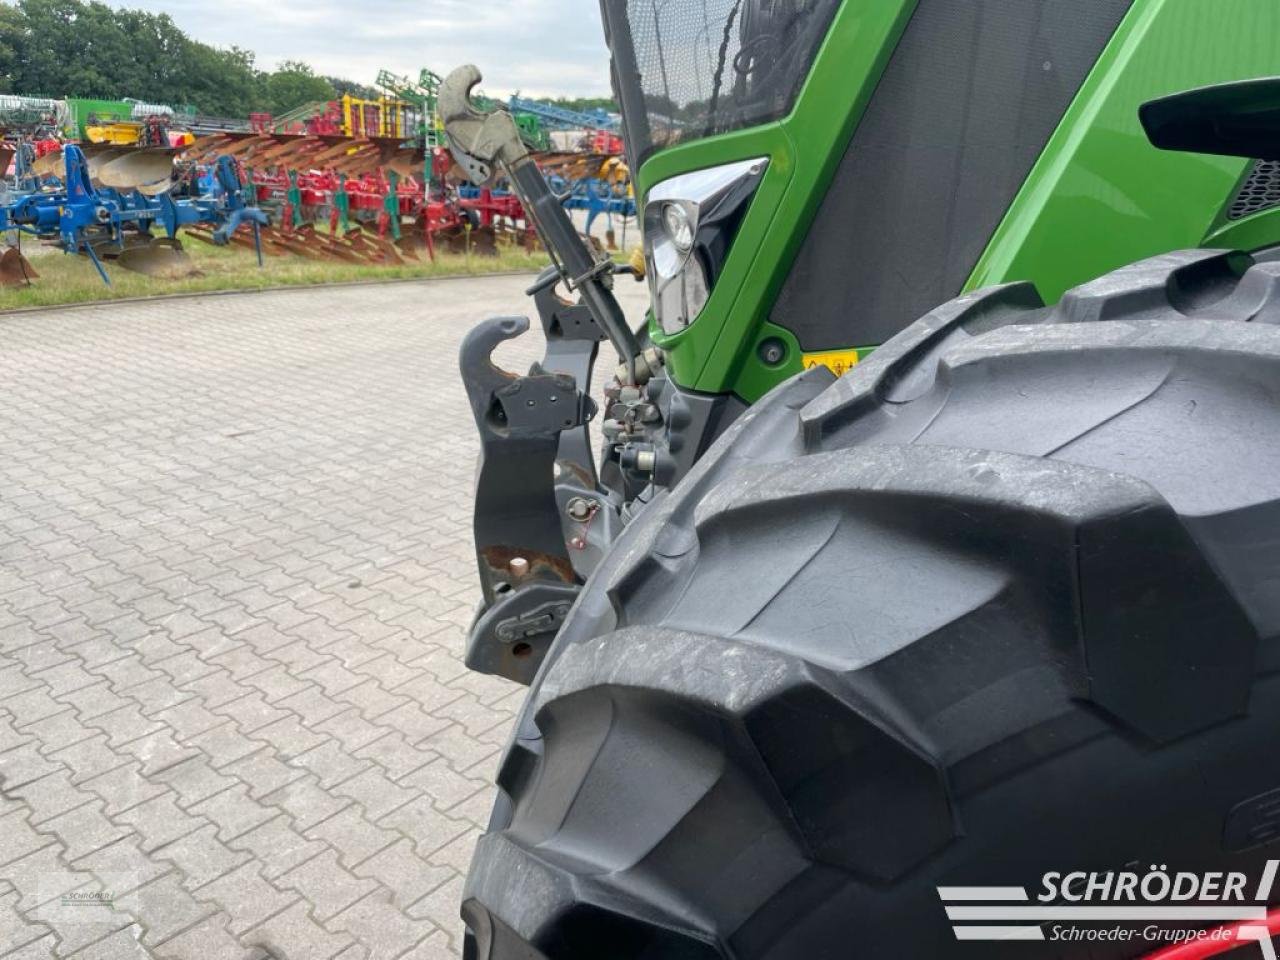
(922, 598)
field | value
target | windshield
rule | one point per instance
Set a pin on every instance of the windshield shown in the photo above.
(685, 69)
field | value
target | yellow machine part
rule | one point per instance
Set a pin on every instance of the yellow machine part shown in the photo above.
(615, 170)
(392, 117)
(838, 362)
(122, 134)
(636, 261)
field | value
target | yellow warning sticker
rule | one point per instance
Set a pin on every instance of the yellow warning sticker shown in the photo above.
(838, 362)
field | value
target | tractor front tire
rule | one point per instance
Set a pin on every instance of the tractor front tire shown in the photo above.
(1002, 601)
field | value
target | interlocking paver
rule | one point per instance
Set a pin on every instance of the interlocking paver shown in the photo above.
(263, 773)
(312, 705)
(126, 673)
(17, 837)
(351, 729)
(326, 884)
(166, 908)
(463, 751)
(245, 897)
(78, 924)
(251, 712)
(444, 785)
(438, 946)
(381, 927)
(395, 755)
(127, 724)
(159, 820)
(413, 721)
(351, 833)
(372, 701)
(235, 572)
(217, 689)
(48, 797)
(440, 903)
(158, 751)
(234, 812)
(306, 802)
(224, 744)
(193, 779)
(200, 856)
(42, 876)
(277, 847)
(330, 763)
(123, 789)
(122, 866)
(402, 872)
(125, 944)
(208, 939)
(83, 830)
(23, 764)
(15, 930)
(375, 793)
(458, 853)
(427, 827)
(294, 933)
(288, 736)
(41, 949)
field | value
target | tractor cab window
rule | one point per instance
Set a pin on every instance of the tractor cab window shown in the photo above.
(686, 69)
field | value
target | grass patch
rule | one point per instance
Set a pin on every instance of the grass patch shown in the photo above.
(72, 279)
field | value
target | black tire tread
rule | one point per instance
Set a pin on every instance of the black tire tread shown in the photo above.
(1001, 600)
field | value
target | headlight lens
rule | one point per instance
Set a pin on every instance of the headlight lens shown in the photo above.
(679, 226)
(689, 223)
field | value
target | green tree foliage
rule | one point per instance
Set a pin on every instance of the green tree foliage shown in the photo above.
(343, 86)
(222, 83)
(294, 84)
(10, 40)
(583, 104)
(74, 48)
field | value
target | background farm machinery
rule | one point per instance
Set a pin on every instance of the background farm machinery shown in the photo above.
(352, 180)
(139, 229)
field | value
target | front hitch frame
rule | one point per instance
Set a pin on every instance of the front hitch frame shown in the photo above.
(527, 577)
(542, 520)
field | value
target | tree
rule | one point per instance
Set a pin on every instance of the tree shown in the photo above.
(11, 42)
(70, 48)
(64, 47)
(342, 86)
(293, 84)
(584, 104)
(222, 83)
(85, 48)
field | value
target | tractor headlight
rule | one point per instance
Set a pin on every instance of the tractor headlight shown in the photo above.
(679, 226)
(689, 223)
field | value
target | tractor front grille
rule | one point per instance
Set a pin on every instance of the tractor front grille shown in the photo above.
(1260, 190)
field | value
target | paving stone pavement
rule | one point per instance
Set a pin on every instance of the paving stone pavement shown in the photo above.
(235, 571)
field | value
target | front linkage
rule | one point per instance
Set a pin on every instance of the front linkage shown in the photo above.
(543, 515)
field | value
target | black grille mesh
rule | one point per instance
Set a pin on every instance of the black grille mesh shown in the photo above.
(1260, 190)
(708, 66)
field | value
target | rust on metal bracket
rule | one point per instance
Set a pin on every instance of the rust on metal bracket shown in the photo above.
(499, 556)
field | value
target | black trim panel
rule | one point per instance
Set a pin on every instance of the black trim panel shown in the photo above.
(967, 103)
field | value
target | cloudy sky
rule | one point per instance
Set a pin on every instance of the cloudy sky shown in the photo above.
(540, 47)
